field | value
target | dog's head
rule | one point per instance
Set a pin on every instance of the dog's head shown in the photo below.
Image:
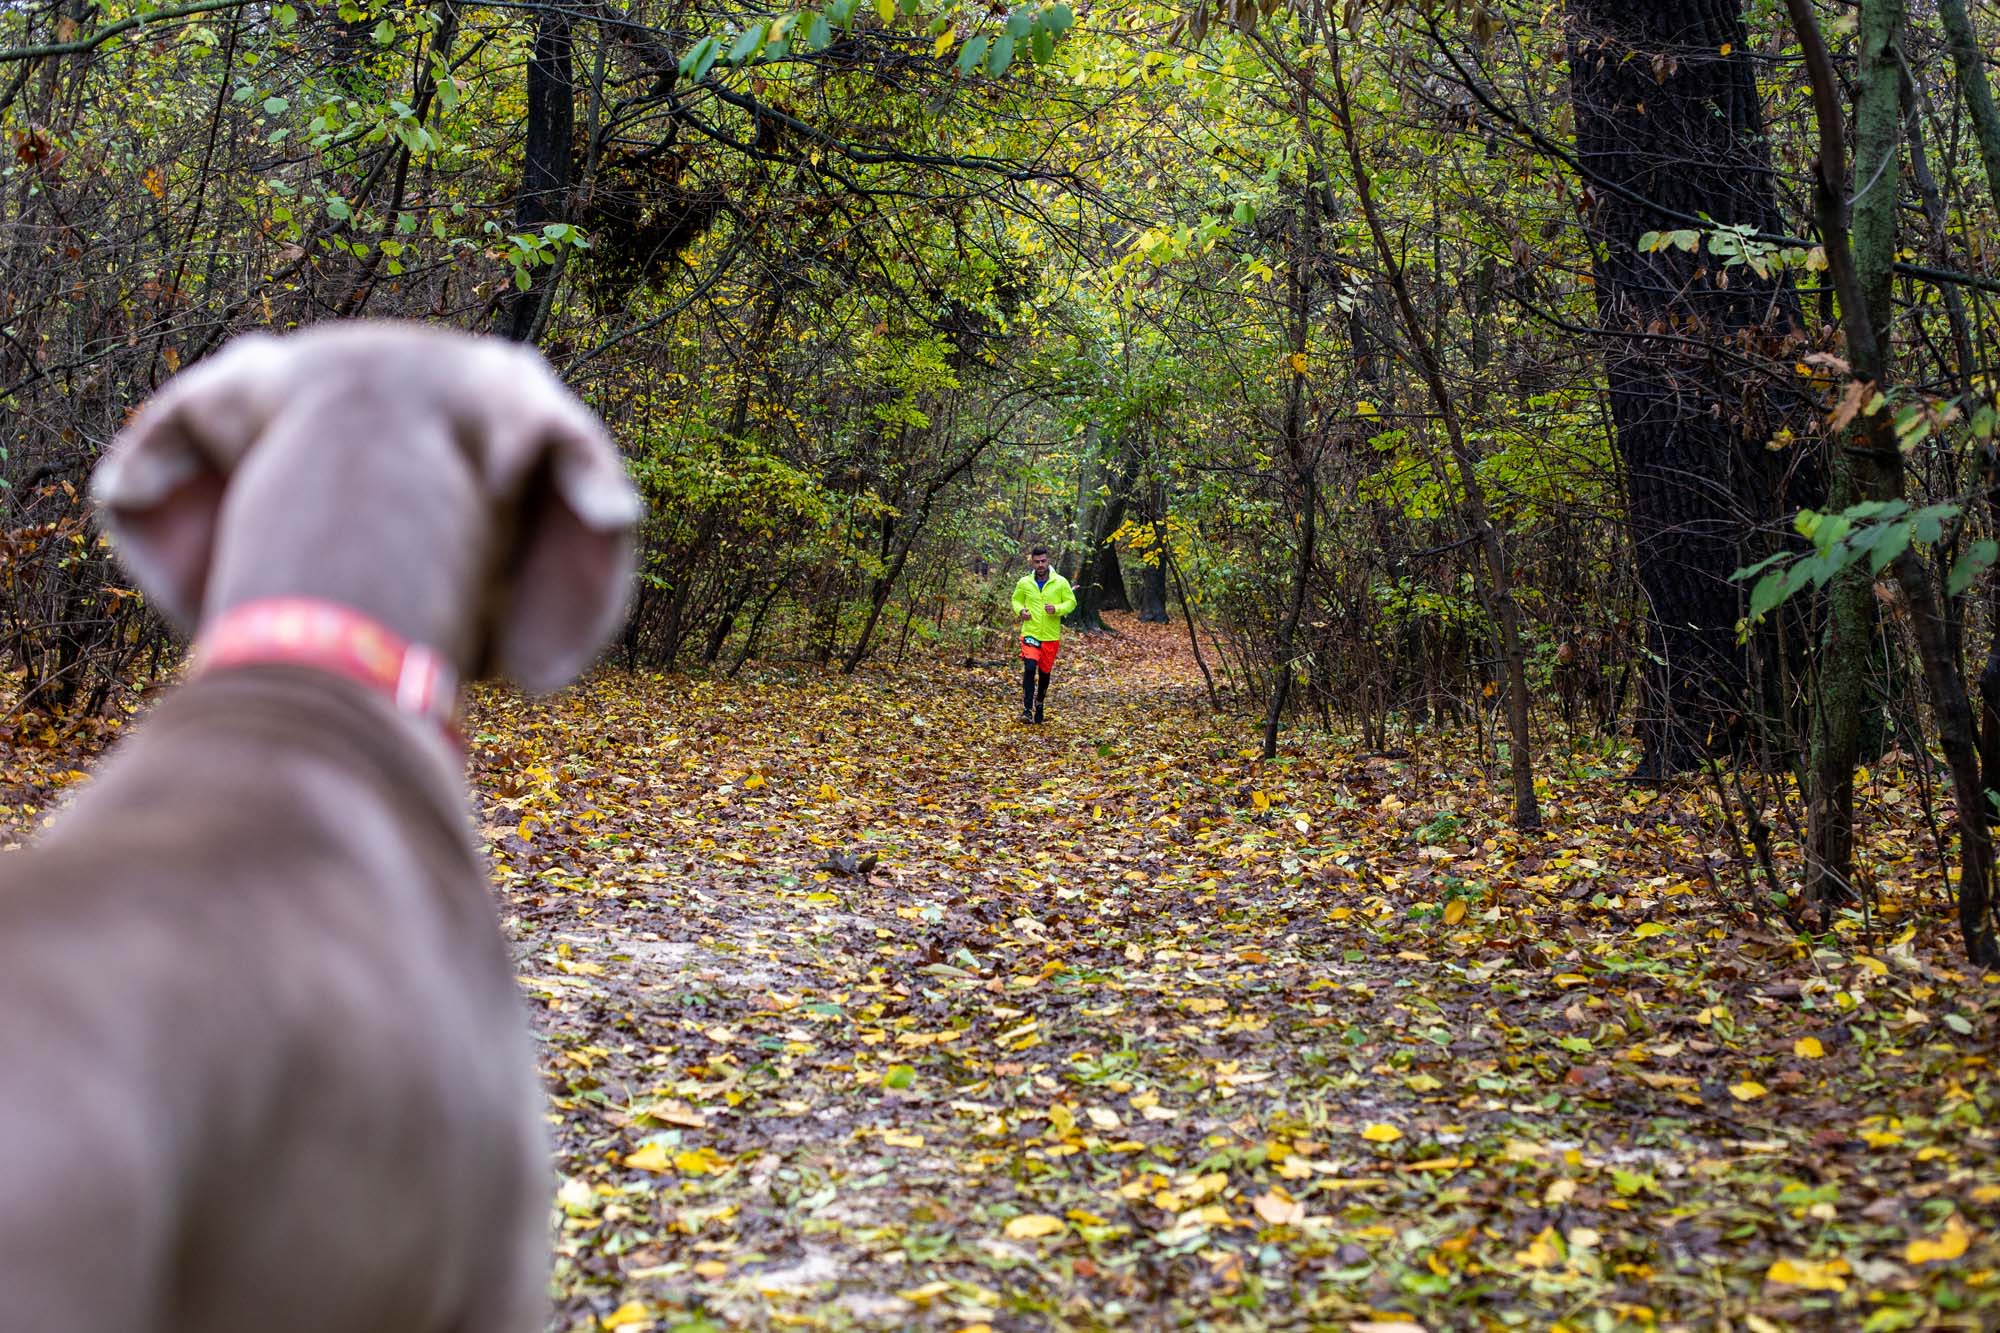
(556, 486)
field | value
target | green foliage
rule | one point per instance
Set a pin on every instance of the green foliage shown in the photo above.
(1877, 531)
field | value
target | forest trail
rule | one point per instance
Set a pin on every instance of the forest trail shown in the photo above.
(1128, 1029)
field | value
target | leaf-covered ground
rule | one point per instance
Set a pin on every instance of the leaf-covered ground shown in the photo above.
(1126, 1029)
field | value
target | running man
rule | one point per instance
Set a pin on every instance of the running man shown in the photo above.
(1042, 598)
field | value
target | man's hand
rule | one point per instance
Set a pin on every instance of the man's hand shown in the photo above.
(1049, 607)
(1024, 615)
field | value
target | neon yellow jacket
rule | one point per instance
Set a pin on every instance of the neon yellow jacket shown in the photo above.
(1057, 593)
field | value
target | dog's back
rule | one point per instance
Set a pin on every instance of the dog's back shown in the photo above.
(262, 1063)
(263, 1059)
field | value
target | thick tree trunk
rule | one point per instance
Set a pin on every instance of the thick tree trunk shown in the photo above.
(1108, 581)
(1098, 581)
(1669, 130)
(1089, 480)
(546, 167)
(1111, 592)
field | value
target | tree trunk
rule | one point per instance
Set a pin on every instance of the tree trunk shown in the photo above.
(1107, 571)
(1669, 130)
(1089, 548)
(1970, 64)
(546, 166)
(1861, 268)
(1153, 579)
(1857, 475)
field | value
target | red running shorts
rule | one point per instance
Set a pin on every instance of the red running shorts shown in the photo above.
(1041, 652)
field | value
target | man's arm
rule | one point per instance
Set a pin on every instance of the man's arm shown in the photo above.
(1063, 599)
(1020, 605)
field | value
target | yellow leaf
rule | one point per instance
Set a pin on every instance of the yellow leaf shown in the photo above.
(1364, 408)
(1808, 1048)
(1810, 1274)
(699, 1162)
(943, 43)
(1297, 361)
(896, 1138)
(1029, 1226)
(1649, 929)
(1950, 1245)
(1436, 1164)
(631, 1315)
(649, 1157)
(827, 792)
(1260, 800)
(1749, 1090)
(1568, 979)
(1878, 1138)
(1541, 1253)
(1454, 911)
(1379, 1133)
(1726, 48)
(753, 782)
(925, 1294)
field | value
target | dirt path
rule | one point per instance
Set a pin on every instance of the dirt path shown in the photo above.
(1125, 1029)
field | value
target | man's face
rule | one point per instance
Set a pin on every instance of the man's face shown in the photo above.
(1039, 563)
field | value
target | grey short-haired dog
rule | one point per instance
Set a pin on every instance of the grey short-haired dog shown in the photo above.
(262, 1060)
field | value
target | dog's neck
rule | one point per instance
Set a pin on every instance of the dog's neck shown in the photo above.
(401, 536)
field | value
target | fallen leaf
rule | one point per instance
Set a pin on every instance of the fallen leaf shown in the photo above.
(1030, 1226)
(1950, 1245)
(1810, 1274)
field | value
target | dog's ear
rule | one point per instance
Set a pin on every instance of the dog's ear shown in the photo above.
(569, 574)
(159, 485)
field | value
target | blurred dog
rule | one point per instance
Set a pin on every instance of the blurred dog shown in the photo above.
(262, 1061)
